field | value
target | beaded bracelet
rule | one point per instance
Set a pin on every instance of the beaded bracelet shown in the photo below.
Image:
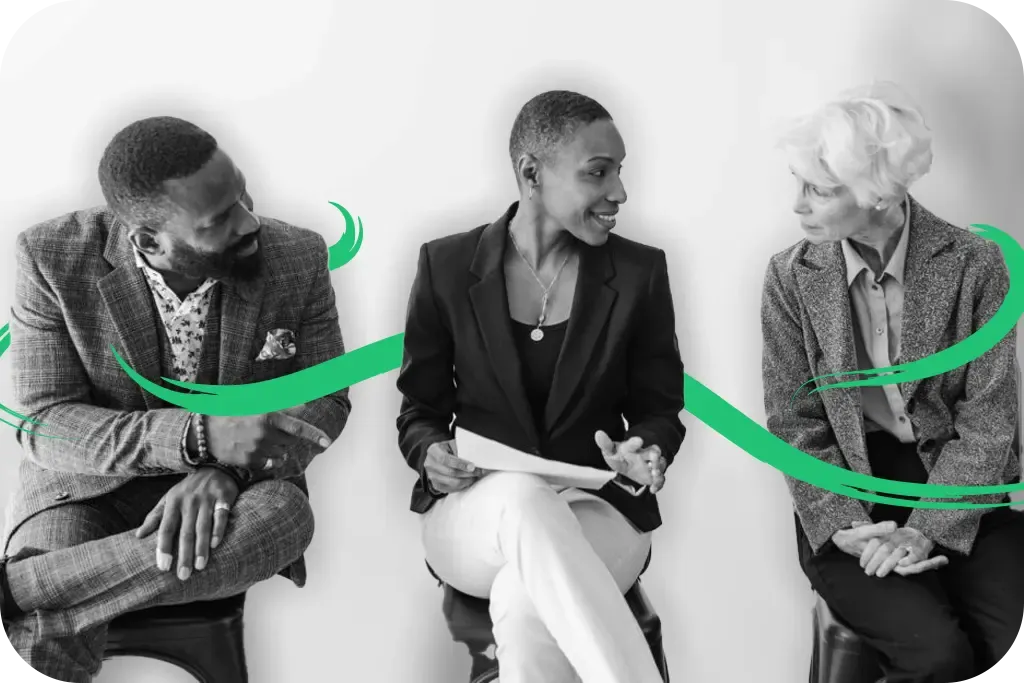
(204, 455)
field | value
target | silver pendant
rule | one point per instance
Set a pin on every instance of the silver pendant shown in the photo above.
(537, 334)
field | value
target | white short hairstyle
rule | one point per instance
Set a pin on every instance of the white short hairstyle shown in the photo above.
(872, 140)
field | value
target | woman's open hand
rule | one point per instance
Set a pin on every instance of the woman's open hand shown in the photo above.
(644, 465)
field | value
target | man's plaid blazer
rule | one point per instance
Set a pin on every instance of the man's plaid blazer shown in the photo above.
(80, 294)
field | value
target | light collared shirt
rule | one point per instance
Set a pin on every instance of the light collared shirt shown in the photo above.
(876, 302)
(184, 321)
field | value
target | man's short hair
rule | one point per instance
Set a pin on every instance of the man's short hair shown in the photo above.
(548, 120)
(145, 154)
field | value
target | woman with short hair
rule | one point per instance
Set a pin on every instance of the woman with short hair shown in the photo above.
(544, 331)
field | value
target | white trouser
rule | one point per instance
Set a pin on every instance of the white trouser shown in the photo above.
(555, 565)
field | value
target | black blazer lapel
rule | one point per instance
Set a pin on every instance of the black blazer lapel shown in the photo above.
(489, 299)
(591, 307)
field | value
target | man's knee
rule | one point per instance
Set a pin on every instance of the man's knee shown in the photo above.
(278, 514)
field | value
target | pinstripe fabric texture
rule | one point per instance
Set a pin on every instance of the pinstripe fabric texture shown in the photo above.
(964, 419)
(79, 294)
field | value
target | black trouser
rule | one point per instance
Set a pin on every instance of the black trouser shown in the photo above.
(940, 626)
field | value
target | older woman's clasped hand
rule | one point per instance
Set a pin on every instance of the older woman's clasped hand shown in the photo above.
(883, 548)
(631, 459)
(446, 471)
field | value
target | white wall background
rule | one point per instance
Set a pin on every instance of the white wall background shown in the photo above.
(401, 112)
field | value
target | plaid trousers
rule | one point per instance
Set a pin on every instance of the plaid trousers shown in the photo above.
(76, 567)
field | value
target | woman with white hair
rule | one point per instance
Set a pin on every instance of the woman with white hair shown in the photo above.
(879, 280)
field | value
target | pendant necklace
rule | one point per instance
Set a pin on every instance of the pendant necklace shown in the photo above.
(537, 334)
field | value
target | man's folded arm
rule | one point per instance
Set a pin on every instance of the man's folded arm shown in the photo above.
(52, 387)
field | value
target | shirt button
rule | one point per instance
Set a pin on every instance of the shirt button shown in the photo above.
(879, 330)
(62, 495)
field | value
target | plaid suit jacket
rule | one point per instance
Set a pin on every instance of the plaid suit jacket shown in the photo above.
(79, 293)
(965, 419)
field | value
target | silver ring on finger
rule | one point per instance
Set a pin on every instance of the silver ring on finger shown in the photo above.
(221, 505)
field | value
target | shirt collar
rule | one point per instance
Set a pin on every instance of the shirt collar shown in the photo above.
(855, 264)
(156, 277)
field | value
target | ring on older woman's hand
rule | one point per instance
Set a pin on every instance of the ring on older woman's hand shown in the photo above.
(268, 464)
(908, 548)
(221, 505)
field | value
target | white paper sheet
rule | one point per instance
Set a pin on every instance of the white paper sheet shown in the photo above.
(492, 455)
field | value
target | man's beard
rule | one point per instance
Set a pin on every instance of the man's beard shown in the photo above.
(194, 263)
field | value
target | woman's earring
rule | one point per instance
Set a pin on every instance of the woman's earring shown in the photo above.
(531, 191)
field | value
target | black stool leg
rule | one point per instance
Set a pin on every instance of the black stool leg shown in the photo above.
(661, 661)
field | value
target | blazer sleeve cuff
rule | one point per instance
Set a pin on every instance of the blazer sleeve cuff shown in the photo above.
(953, 530)
(421, 469)
(167, 443)
(629, 486)
(819, 532)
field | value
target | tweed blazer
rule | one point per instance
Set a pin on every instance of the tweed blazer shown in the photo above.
(79, 293)
(965, 420)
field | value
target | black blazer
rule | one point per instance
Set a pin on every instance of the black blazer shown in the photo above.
(619, 362)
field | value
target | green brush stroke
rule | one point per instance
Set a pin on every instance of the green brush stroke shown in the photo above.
(5, 342)
(284, 392)
(730, 422)
(963, 352)
(386, 354)
(346, 248)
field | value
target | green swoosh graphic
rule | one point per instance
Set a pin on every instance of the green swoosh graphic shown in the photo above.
(340, 253)
(386, 354)
(345, 249)
(963, 352)
(5, 343)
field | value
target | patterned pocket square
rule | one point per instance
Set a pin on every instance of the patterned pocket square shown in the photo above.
(280, 345)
